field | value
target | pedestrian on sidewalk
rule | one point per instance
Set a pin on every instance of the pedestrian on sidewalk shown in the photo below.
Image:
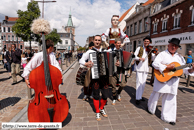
(167, 90)
(38, 59)
(16, 62)
(188, 59)
(9, 61)
(98, 84)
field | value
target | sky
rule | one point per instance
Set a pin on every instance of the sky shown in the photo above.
(90, 17)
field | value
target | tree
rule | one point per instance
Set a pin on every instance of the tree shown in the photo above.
(53, 36)
(22, 27)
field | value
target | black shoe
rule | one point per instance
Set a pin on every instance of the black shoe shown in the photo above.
(172, 123)
(143, 99)
(137, 102)
(13, 83)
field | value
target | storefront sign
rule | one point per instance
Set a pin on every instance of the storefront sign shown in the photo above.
(185, 38)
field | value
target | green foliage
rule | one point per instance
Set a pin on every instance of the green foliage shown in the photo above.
(53, 36)
(22, 27)
(81, 48)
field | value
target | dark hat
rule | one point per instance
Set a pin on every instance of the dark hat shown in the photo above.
(175, 41)
(91, 44)
(148, 38)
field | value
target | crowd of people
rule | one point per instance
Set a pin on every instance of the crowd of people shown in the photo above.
(144, 57)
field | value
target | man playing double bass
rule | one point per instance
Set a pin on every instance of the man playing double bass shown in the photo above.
(101, 83)
(167, 90)
(38, 59)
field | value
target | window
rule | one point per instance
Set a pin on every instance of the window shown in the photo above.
(8, 29)
(192, 18)
(127, 30)
(12, 37)
(5, 46)
(3, 29)
(135, 31)
(140, 26)
(130, 47)
(61, 42)
(177, 21)
(155, 28)
(67, 35)
(131, 30)
(66, 41)
(20, 46)
(164, 25)
(173, 1)
(145, 24)
(139, 43)
(61, 35)
(4, 38)
(8, 37)
(1, 37)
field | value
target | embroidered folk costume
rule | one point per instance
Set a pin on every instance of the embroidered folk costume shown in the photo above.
(114, 32)
(101, 83)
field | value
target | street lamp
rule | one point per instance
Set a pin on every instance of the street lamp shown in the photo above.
(43, 5)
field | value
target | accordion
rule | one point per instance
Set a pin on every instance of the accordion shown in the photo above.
(100, 67)
(125, 59)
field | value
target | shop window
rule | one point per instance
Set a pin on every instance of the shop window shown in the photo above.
(177, 20)
(164, 25)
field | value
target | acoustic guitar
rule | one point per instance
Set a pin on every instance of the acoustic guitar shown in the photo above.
(167, 74)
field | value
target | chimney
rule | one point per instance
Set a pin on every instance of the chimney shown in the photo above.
(6, 18)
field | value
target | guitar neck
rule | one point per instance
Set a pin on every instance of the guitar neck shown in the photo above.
(183, 66)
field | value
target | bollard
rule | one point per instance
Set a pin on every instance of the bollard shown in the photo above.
(188, 81)
(29, 91)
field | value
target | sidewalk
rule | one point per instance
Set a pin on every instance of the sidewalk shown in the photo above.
(125, 115)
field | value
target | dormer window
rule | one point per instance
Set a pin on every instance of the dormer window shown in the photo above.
(177, 20)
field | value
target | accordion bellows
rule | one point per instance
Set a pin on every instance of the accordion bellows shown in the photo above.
(40, 26)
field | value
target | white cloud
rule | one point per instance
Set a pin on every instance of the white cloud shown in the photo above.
(88, 18)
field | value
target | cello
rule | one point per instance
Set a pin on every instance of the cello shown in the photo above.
(48, 105)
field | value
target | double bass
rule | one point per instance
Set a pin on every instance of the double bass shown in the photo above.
(48, 104)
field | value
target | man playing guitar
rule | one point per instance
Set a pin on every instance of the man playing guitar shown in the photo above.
(168, 89)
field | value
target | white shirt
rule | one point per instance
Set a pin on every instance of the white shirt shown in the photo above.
(24, 60)
(123, 35)
(37, 61)
(86, 56)
(162, 59)
(142, 66)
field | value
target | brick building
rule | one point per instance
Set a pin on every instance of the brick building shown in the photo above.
(7, 36)
(89, 39)
(173, 18)
(138, 26)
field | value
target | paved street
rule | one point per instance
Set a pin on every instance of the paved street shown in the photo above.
(124, 115)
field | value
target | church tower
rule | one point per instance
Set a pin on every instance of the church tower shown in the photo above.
(70, 28)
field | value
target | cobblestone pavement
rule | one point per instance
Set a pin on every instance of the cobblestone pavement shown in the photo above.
(13, 98)
(125, 115)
